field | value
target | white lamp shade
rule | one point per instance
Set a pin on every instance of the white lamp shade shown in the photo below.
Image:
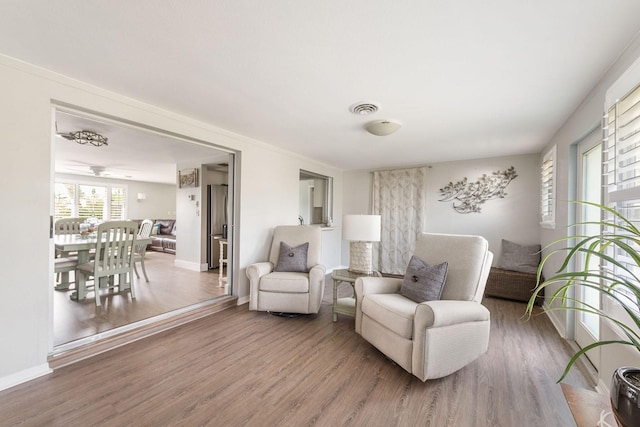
(363, 228)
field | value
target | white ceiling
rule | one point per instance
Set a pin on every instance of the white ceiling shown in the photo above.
(130, 153)
(467, 78)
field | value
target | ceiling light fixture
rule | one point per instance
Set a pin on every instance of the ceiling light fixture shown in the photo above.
(364, 108)
(382, 127)
(83, 137)
(97, 170)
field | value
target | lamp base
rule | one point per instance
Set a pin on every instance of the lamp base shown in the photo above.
(361, 257)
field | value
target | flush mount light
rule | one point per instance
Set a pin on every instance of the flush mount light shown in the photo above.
(364, 108)
(382, 127)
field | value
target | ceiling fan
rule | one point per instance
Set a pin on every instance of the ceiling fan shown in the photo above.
(83, 168)
(98, 170)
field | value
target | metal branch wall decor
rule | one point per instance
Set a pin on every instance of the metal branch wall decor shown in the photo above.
(467, 197)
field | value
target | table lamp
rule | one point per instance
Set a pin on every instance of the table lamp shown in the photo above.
(361, 231)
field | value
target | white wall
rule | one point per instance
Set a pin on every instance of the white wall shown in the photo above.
(587, 115)
(160, 202)
(268, 184)
(189, 228)
(304, 203)
(514, 217)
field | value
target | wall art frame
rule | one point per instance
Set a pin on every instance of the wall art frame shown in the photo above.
(188, 178)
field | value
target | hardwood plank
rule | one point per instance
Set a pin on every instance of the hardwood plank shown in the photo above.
(169, 288)
(246, 368)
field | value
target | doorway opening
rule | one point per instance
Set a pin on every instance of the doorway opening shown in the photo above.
(142, 164)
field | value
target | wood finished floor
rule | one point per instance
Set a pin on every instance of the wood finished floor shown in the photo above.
(169, 288)
(242, 368)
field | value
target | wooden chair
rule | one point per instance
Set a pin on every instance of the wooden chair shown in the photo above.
(62, 267)
(115, 246)
(68, 225)
(141, 249)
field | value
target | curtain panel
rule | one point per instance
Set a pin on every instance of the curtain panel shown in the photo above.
(399, 198)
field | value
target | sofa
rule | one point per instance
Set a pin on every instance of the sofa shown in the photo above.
(163, 235)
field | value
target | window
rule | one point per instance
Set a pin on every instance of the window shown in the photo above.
(104, 202)
(621, 169)
(117, 205)
(548, 190)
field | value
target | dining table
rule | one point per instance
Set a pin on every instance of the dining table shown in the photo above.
(82, 245)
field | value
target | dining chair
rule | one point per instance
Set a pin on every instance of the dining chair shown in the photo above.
(68, 225)
(65, 226)
(141, 249)
(115, 244)
(64, 266)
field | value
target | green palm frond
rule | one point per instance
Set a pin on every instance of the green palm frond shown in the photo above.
(579, 253)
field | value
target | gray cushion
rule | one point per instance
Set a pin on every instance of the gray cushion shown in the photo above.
(423, 282)
(155, 230)
(523, 258)
(293, 259)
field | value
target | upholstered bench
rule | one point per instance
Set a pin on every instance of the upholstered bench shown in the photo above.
(513, 285)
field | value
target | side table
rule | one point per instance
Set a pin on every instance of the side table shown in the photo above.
(346, 306)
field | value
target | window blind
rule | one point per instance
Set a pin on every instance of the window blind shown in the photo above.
(622, 147)
(117, 205)
(548, 189)
(104, 202)
(621, 172)
(64, 200)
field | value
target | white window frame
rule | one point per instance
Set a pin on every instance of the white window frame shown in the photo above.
(109, 187)
(548, 189)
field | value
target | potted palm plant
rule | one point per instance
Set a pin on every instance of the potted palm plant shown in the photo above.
(618, 281)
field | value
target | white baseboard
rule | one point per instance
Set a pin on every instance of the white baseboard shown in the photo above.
(554, 321)
(24, 376)
(187, 265)
(602, 387)
(243, 300)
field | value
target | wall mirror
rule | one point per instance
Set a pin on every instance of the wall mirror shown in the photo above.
(316, 197)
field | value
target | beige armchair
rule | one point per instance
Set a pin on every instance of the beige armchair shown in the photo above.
(435, 338)
(285, 291)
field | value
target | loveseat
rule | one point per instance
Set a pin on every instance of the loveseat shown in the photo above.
(163, 235)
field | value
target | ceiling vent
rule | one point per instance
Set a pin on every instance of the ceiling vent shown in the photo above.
(364, 108)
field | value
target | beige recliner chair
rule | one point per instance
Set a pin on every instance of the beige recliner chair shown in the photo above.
(435, 338)
(286, 291)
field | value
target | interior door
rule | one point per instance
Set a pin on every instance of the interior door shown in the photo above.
(587, 326)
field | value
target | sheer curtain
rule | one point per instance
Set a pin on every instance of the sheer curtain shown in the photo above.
(399, 197)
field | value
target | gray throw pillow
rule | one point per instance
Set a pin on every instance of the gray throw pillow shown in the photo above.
(293, 259)
(423, 282)
(523, 258)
